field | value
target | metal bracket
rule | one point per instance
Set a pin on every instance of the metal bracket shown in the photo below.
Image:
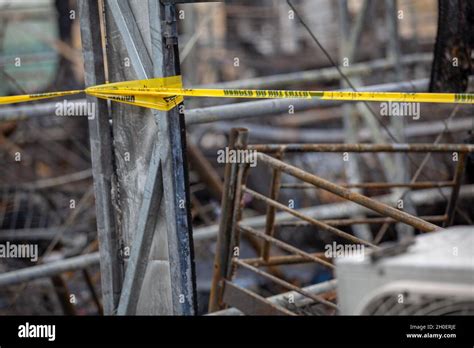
(170, 32)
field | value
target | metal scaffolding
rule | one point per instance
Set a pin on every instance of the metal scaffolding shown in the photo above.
(140, 170)
(225, 293)
(157, 231)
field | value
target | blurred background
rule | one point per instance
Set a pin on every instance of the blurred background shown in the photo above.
(46, 195)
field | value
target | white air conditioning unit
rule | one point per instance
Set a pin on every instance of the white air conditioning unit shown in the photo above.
(434, 276)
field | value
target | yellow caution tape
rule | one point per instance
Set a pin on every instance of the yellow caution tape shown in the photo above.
(130, 92)
(165, 93)
(30, 97)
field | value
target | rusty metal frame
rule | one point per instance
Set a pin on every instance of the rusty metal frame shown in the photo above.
(253, 303)
(224, 293)
(231, 198)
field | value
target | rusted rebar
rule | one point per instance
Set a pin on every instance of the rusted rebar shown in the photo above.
(285, 246)
(317, 223)
(285, 284)
(282, 260)
(270, 225)
(376, 185)
(451, 208)
(345, 193)
(272, 148)
(355, 221)
(234, 176)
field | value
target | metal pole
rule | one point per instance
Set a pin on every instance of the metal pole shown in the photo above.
(272, 148)
(266, 133)
(458, 175)
(282, 260)
(273, 194)
(172, 140)
(279, 106)
(378, 185)
(102, 157)
(367, 202)
(285, 246)
(323, 226)
(345, 222)
(320, 75)
(49, 269)
(337, 210)
(171, 255)
(227, 228)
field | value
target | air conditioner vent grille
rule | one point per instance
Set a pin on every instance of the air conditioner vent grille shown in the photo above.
(419, 304)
